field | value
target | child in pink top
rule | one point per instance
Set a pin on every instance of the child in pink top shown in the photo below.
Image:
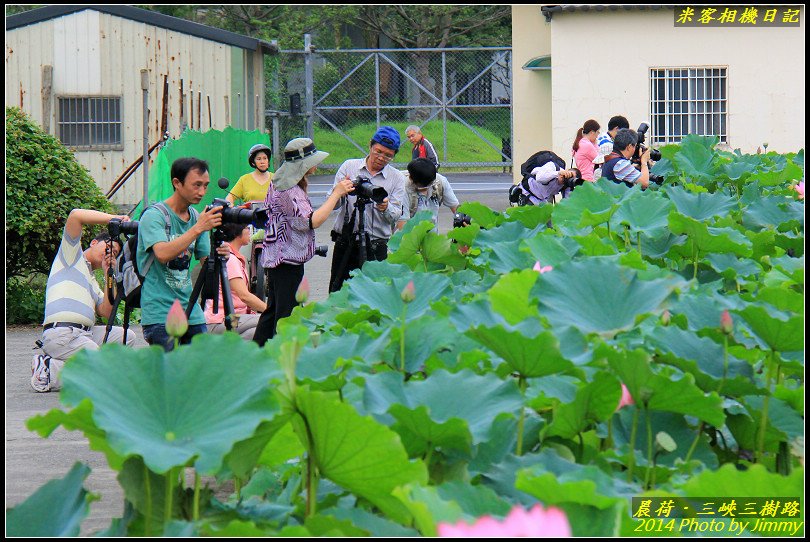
(585, 149)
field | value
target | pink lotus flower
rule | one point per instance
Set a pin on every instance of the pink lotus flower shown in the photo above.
(726, 323)
(800, 189)
(550, 522)
(540, 269)
(408, 293)
(626, 399)
(302, 294)
(666, 317)
(176, 321)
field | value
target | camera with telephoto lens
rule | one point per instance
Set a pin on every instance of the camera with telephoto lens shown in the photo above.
(655, 154)
(321, 250)
(572, 182)
(116, 227)
(365, 189)
(461, 220)
(239, 215)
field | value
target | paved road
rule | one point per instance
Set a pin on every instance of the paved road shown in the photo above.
(31, 461)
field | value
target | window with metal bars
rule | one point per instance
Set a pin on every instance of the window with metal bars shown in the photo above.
(688, 100)
(90, 123)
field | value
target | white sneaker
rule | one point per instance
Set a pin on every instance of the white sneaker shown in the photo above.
(41, 373)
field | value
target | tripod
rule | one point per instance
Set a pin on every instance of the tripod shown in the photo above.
(116, 295)
(348, 237)
(213, 273)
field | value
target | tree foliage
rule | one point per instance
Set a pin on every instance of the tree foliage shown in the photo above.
(44, 182)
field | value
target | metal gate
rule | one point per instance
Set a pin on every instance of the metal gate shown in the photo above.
(459, 98)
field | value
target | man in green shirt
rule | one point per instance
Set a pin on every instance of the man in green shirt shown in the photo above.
(168, 276)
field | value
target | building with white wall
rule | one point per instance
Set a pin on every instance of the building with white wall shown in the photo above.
(576, 62)
(76, 71)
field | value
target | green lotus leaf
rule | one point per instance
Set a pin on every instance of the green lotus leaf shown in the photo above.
(440, 251)
(755, 481)
(245, 455)
(510, 296)
(320, 363)
(55, 509)
(465, 235)
(732, 267)
(588, 205)
(508, 257)
(420, 219)
(664, 167)
(784, 423)
(500, 443)
(791, 267)
(594, 402)
(660, 245)
(529, 356)
(703, 359)
(742, 166)
(703, 308)
(660, 392)
(595, 244)
(424, 337)
(598, 295)
(530, 216)
(643, 212)
(427, 508)
(373, 524)
(178, 407)
(555, 480)
(80, 418)
(321, 525)
(478, 312)
(357, 452)
(148, 496)
(781, 174)
(706, 239)
(777, 330)
(421, 247)
(475, 501)
(552, 250)
(438, 412)
(773, 213)
(481, 214)
(385, 295)
(696, 156)
(674, 425)
(781, 298)
(700, 207)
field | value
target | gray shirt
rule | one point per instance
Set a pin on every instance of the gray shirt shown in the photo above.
(379, 225)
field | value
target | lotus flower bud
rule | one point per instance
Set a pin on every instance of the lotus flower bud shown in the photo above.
(302, 294)
(176, 321)
(626, 398)
(726, 324)
(408, 293)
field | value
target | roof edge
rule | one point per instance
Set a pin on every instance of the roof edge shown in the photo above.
(145, 16)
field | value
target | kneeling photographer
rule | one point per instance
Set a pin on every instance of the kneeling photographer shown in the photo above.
(245, 304)
(289, 233)
(629, 161)
(362, 234)
(544, 177)
(73, 298)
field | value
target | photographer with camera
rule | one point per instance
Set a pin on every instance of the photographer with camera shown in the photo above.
(290, 231)
(619, 166)
(427, 190)
(605, 142)
(73, 298)
(245, 304)
(377, 181)
(169, 276)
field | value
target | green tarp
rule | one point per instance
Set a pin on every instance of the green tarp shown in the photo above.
(225, 151)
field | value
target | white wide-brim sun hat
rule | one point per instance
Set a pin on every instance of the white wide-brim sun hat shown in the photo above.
(300, 155)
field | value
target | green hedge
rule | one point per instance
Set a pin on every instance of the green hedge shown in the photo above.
(44, 182)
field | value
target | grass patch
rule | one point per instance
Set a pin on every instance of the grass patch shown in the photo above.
(462, 144)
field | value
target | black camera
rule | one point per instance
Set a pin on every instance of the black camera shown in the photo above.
(180, 263)
(461, 220)
(365, 189)
(655, 154)
(572, 182)
(321, 250)
(238, 215)
(116, 227)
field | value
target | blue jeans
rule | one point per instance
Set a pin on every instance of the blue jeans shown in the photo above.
(156, 334)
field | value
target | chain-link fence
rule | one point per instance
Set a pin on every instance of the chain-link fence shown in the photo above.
(460, 98)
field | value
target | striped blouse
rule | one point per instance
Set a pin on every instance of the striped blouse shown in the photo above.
(288, 235)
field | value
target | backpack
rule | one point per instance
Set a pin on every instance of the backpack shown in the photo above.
(519, 193)
(126, 280)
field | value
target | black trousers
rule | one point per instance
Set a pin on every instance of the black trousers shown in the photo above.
(284, 282)
(376, 250)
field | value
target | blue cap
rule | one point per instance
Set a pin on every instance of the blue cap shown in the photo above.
(387, 137)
